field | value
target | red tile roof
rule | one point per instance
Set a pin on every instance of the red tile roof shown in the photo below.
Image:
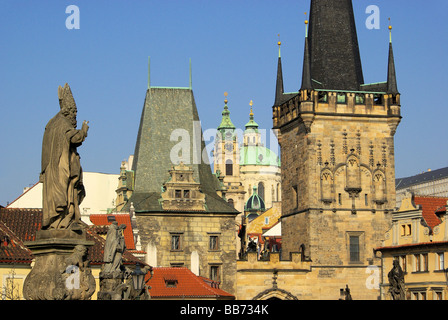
(103, 220)
(188, 285)
(431, 205)
(12, 249)
(24, 223)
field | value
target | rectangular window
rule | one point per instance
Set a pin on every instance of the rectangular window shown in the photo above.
(214, 273)
(176, 242)
(406, 230)
(359, 99)
(354, 248)
(425, 262)
(341, 98)
(186, 194)
(440, 263)
(178, 194)
(323, 97)
(403, 263)
(170, 283)
(417, 263)
(229, 168)
(340, 199)
(214, 243)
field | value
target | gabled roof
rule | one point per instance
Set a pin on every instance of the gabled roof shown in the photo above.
(185, 285)
(430, 206)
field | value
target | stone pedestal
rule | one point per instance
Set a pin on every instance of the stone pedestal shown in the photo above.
(113, 287)
(61, 270)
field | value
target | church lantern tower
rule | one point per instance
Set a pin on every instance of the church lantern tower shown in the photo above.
(226, 159)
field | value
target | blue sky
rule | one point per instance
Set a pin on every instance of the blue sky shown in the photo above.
(233, 48)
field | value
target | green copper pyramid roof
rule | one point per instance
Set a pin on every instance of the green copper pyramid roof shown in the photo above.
(170, 117)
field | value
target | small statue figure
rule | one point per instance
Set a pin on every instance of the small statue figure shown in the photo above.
(61, 172)
(114, 249)
(396, 281)
(345, 294)
(252, 246)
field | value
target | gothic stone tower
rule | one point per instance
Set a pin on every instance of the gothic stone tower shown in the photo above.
(181, 217)
(337, 143)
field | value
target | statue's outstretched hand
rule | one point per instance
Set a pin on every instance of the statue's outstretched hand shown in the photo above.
(85, 127)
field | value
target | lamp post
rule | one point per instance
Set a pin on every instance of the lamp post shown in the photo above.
(138, 277)
(138, 280)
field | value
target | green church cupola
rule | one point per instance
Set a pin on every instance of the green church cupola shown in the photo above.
(254, 205)
(251, 134)
(226, 123)
(251, 124)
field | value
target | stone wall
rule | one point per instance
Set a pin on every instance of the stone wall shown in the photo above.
(293, 279)
(195, 229)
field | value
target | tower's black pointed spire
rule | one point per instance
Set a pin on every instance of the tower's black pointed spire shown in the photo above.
(392, 87)
(279, 89)
(306, 73)
(333, 41)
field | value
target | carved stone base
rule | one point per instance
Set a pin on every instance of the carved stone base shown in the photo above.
(61, 270)
(113, 287)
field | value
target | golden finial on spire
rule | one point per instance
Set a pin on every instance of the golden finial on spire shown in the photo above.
(251, 112)
(306, 25)
(225, 95)
(390, 31)
(279, 45)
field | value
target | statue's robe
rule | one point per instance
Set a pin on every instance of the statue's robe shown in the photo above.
(113, 249)
(61, 174)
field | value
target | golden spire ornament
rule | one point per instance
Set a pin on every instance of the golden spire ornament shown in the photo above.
(306, 25)
(279, 45)
(390, 32)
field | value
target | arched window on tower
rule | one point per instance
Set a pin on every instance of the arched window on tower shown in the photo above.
(261, 190)
(229, 167)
